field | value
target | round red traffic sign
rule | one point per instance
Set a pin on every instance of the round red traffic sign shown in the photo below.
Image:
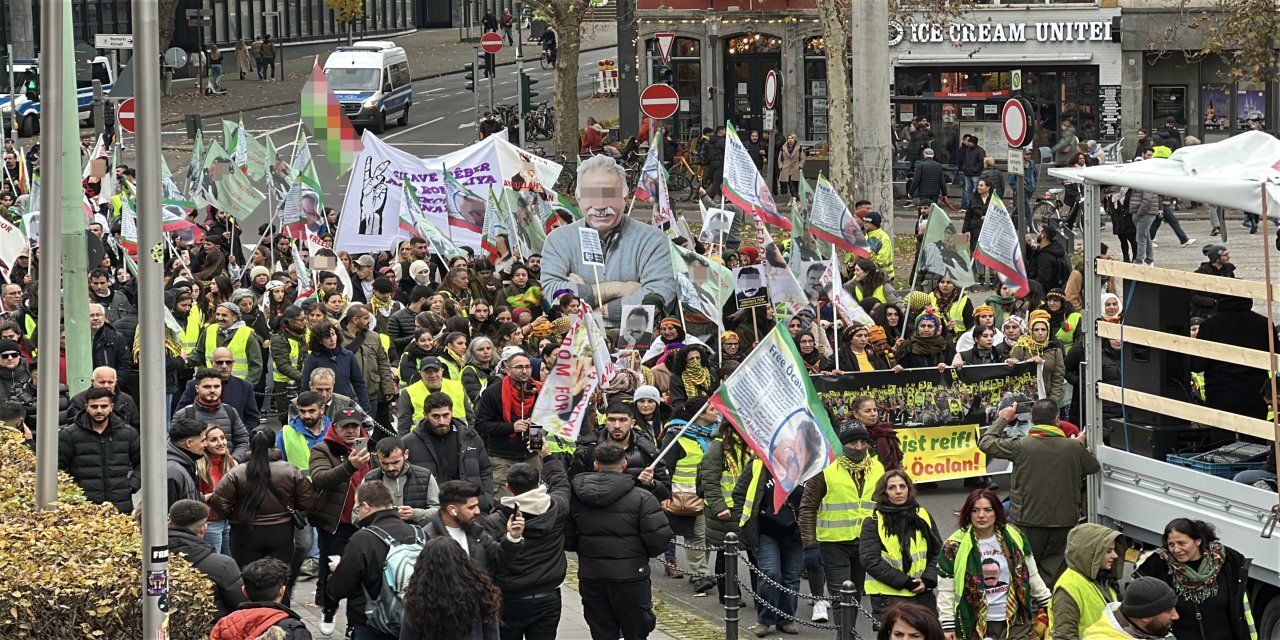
(659, 101)
(491, 42)
(770, 89)
(124, 115)
(1013, 122)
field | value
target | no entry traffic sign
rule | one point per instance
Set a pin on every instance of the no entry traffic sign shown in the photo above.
(1013, 122)
(124, 115)
(659, 101)
(770, 89)
(491, 42)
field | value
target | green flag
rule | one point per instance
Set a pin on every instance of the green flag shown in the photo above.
(943, 251)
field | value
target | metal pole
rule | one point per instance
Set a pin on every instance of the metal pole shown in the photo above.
(13, 96)
(1092, 403)
(1020, 192)
(520, 69)
(280, 28)
(732, 595)
(492, 74)
(75, 248)
(55, 160)
(847, 607)
(475, 89)
(155, 558)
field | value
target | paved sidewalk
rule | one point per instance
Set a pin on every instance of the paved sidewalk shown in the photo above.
(572, 624)
(431, 52)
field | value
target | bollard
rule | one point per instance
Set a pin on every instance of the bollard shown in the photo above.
(732, 595)
(193, 125)
(847, 614)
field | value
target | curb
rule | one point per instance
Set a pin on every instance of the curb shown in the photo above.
(691, 608)
(412, 79)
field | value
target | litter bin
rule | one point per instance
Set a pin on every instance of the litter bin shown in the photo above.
(194, 125)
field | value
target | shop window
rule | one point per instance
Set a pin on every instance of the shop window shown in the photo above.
(755, 43)
(1251, 106)
(1168, 102)
(815, 89)
(684, 73)
(1215, 104)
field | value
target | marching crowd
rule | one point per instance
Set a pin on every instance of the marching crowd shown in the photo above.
(406, 477)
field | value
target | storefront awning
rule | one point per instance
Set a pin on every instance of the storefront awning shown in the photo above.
(921, 60)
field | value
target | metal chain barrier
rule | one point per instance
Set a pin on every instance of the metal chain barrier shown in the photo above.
(778, 612)
(695, 547)
(810, 598)
(691, 574)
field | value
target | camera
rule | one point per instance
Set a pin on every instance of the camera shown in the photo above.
(536, 436)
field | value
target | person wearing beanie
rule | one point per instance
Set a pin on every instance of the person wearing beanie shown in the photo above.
(881, 243)
(1038, 346)
(1064, 318)
(927, 347)
(1218, 263)
(1089, 582)
(186, 447)
(652, 412)
(685, 442)
(731, 259)
(229, 330)
(731, 347)
(259, 275)
(878, 344)
(836, 502)
(750, 255)
(856, 352)
(983, 316)
(1146, 613)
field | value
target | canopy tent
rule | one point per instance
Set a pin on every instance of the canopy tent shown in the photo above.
(1226, 173)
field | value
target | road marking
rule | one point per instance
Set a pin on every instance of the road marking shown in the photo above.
(434, 90)
(466, 124)
(464, 110)
(278, 115)
(412, 128)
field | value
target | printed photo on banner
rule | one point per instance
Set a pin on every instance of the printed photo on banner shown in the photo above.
(750, 287)
(798, 450)
(592, 249)
(785, 292)
(528, 235)
(717, 226)
(813, 287)
(529, 175)
(637, 327)
(703, 286)
(925, 397)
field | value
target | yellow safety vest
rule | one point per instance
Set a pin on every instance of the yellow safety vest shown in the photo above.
(31, 331)
(891, 551)
(295, 358)
(878, 294)
(685, 475)
(955, 313)
(239, 349)
(883, 259)
(1090, 601)
(418, 393)
(729, 475)
(1104, 630)
(296, 450)
(844, 508)
(749, 503)
(190, 336)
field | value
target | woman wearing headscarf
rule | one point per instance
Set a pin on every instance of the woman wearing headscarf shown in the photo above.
(927, 347)
(879, 345)
(983, 316)
(898, 547)
(1003, 302)
(1111, 307)
(1064, 320)
(856, 352)
(814, 362)
(730, 348)
(1039, 347)
(1012, 328)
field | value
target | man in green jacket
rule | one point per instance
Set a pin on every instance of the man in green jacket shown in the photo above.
(881, 244)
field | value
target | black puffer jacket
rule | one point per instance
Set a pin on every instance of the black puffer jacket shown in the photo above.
(181, 468)
(929, 180)
(106, 465)
(615, 527)
(400, 328)
(541, 564)
(641, 453)
(125, 407)
(1043, 267)
(222, 570)
(473, 461)
(110, 349)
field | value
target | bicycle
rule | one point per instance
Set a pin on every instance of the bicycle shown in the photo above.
(684, 177)
(545, 60)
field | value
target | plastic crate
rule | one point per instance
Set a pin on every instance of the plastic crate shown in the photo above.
(1226, 470)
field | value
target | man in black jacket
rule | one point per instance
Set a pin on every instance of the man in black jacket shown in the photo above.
(640, 452)
(235, 392)
(459, 519)
(502, 417)
(929, 181)
(531, 584)
(126, 406)
(186, 446)
(413, 488)
(188, 520)
(971, 157)
(264, 587)
(101, 453)
(615, 527)
(402, 323)
(715, 155)
(109, 347)
(449, 448)
(359, 575)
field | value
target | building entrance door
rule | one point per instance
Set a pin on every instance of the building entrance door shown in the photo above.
(748, 58)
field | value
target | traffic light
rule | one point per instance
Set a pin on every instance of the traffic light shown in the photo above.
(470, 68)
(527, 94)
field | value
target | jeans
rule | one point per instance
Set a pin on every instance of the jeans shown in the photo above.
(534, 617)
(970, 183)
(262, 68)
(506, 32)
(1253, 475)
(216, 68)
(1172, 221)
(840, 561)
(219, 535)
(331, 544)
(780, 559)
(1143, 254)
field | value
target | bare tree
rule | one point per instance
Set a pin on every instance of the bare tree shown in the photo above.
(168, 16)
(1242, 32)
(565, 18)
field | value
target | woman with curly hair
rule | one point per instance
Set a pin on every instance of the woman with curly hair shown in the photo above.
(449, 597)
(892, 320)
(457, 288)
(692, 375)
(988, 584)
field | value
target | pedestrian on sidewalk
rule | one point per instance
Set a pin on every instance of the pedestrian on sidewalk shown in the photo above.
(243, 61)
(505, 23)
(256, 50)
(268, 58)
(215, 66)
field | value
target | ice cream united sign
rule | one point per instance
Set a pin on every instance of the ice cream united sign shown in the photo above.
(996, 32)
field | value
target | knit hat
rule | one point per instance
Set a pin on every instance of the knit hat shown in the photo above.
(750, 255)
(983, 309)
(183, 429)
(853, 430)
(876, 333)
(647, 392)
(240, 294)
(259, 271)
(669, 321)
(509, 353)
(915, 301)
(929, 315)
(1147, 597)
(9, 345)
(1057, 293)
(231, 306)
(1039, 315)
(1213, 251)
(725, 255)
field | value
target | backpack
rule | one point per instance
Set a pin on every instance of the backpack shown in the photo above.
(385, 610)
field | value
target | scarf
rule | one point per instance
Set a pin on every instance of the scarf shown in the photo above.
(971, 610)
(211, 407)
(696, 378)
(1016, 320)
(855, 468)
(457, 358)
(378, 307)
(513, 397)
(1196, 584)
(1046, 431)
(1032, 346)
(930, 346)
(904, 522)
(702, 433)
(888, 448)
(1003, 302)
(812, 361)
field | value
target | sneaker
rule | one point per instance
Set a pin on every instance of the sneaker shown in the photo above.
(326, 625)
(310, 568)
(760, 630)
(1154, 245)
(821, 611)
(790, 627)
(1189, 242)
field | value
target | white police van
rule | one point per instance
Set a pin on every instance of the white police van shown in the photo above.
(371, 80)
(23, 103)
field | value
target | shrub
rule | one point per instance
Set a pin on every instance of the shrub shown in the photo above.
(75, 570)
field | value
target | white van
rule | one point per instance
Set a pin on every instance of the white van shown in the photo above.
(371, 80)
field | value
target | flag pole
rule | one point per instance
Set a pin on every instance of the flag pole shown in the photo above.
(683, 429)
(448, 221)
(835, 315)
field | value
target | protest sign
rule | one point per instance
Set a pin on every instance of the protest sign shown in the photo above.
(743, 184)
(931, 454)
(1000, 249)
(750, 288)
(927, 397)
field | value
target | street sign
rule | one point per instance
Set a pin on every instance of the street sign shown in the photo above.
(113, 41)
(1013, 122)
(270, 14)
(768, 119)
(199, 13)
(659, 101)
(770, 90)
(1015, 162)
(665, 40)
(491, 42)
(175, 58)
(1015, 79)
(124, 115)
